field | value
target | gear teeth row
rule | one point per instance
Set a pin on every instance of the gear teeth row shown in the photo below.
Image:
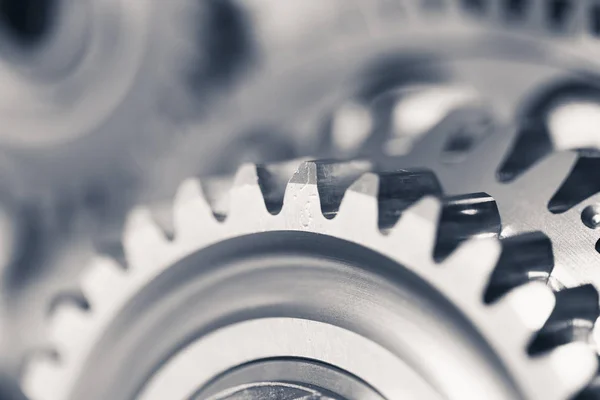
(490, 153)
(572, 319)
(560, 190)
(525, 258)
(463, 217)
(567, 17)
(564, 16)
(342, 200)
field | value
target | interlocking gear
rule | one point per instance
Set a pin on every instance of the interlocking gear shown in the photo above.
(515, 58)
(538, 199)
(492, 49)
(327, 279)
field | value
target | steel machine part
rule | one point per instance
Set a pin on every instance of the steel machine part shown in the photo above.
(555, 195)
(526, 69)
(324, 287)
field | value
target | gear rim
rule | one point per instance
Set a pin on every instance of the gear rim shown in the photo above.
(246, 193)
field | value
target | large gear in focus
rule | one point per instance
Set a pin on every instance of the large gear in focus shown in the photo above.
(323, 286)
(528, 62)
(317, 56)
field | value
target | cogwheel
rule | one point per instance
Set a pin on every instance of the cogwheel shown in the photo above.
(527, 61)
(556, 195)
(318, 56)
(90, 88)
(324, 287)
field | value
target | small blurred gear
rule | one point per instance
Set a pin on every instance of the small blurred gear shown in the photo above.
(322, 62)
(532, 65)
(94, 89)
(324, 286)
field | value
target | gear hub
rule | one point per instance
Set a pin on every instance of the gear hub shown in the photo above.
(330, 286)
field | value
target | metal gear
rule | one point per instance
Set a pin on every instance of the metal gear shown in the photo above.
(503, 49)
(92, 89)
(328, 278)
(539, 198)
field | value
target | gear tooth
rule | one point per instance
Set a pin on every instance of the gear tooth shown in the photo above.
(302, 189)
(217, 193)
(273, 179)
(162, 215)
(320, 186)
(42, 378)
(143, 239)
(101, 282)
(69, 329)
(245, 176)
(491, 151)
(331, 179)
(191, 211)
(477, 258)
(415, 228)
(306, 174)
(580, 184)
(560, 163)
(525, 258)
(574, 365)
(532, 304)
(464, 217)
(435, 141)
(571, 320)
(246, 196)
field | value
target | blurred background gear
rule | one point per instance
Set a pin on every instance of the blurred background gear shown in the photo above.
(90, 92)
(327, 283)
(318, 61)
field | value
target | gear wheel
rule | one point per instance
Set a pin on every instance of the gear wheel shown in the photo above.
(493, 48)
(93, 88)
(552, 196)
(327, 286)
(522, 59)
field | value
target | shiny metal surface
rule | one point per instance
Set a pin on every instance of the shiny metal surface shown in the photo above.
(539, 198)
(262, 284)
(271, 390)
